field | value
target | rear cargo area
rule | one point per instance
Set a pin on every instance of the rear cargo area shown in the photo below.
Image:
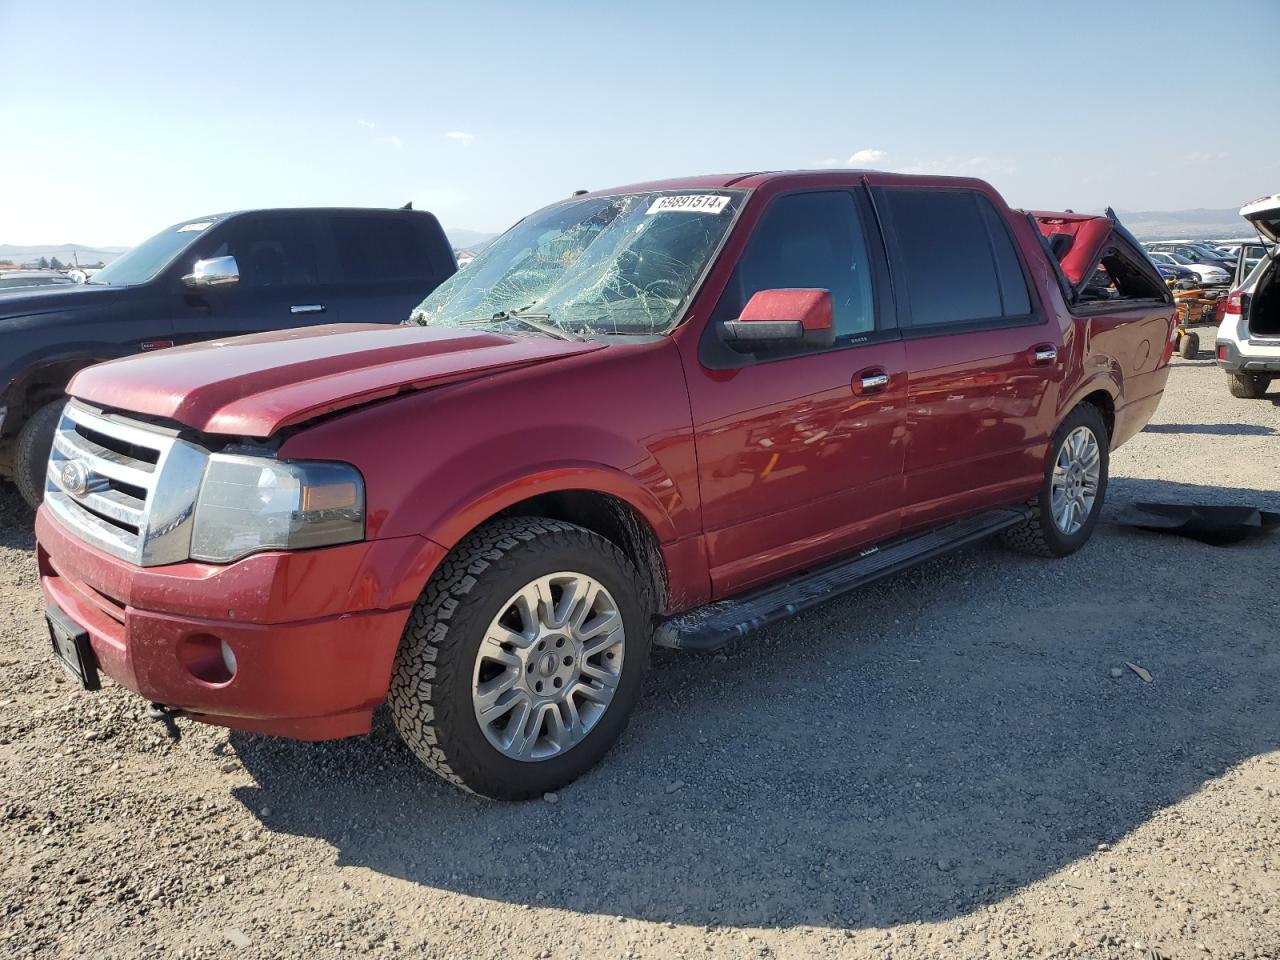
(1264, 307)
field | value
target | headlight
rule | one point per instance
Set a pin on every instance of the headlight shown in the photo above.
(250, 504)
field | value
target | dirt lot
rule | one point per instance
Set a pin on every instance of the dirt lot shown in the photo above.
(940, 766)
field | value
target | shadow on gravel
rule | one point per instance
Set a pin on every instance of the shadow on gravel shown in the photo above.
(17, 521)
(1213, 429)
(929, 745)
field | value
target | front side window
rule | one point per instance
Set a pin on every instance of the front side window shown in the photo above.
(270, 252)
(807, 241)
(623, 264)
(958, 258)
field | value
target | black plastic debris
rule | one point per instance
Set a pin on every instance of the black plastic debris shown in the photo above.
(1216, 525)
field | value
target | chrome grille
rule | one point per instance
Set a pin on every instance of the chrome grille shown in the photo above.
(127, 488)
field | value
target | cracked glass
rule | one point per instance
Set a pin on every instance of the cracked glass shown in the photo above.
(623, 264)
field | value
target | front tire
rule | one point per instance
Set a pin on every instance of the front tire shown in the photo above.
(522, 660)
(1248, 386)
(31, 451)
(1073, 491)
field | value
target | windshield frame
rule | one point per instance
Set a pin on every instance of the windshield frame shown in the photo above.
(680, 314)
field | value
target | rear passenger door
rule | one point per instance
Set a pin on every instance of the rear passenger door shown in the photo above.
(387, 262)
(981, 354)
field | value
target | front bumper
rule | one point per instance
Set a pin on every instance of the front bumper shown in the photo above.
(313, 633)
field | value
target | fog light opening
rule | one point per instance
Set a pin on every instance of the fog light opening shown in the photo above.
(209, 659)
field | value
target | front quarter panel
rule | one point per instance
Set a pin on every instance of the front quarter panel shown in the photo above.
(440, 462)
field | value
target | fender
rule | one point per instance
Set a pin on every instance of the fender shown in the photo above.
(62, 365)
(462, 517)
(686, 574)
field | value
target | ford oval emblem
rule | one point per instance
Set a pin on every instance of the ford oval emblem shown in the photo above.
(75, 478)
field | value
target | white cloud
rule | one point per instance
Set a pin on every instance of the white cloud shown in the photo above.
(366, 123)
(958, 167)
(1204, 157)
(460, 136)
(394, 141)
(867, 155)
(943, 166)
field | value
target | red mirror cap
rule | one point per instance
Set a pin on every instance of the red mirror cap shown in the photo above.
(811, 307)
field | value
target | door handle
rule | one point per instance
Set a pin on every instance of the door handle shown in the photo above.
(307, 308)
(1043, 355)
(870, 381)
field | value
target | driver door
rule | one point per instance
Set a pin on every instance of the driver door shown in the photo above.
(800, 455)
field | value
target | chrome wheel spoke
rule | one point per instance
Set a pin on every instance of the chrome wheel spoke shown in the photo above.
(593, 643)
(601, 694)
(501, 645)
(522, 731)
(491, 702)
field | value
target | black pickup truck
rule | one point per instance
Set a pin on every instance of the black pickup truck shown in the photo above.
(211, 277)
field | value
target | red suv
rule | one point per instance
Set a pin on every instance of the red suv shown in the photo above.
(667, 413)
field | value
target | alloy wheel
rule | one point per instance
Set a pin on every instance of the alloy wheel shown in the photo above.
(548, 666)
(1076, 474)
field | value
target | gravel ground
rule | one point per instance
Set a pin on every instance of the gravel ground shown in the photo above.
(941, 766)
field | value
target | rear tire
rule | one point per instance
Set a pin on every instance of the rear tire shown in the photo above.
(31, 451)
(451, 666)
(1047, 532)
(1248, 386)
(1189, 346)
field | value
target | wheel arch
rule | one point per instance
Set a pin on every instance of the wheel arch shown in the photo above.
(1100, 392)
(42, 382)
(1106, 405)
(594, 498)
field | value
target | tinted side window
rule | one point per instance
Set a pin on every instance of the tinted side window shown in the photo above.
(270, 252)
(959, 262)
(372, 249)
(1014, 299)
(807, 240)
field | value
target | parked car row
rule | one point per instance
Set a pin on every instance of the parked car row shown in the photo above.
(14, 279)
(663, 414)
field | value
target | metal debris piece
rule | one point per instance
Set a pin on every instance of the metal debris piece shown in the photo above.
(1212, 524)
(1146, 677)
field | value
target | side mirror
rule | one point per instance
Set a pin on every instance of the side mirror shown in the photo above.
(215, 272)
(777, 320)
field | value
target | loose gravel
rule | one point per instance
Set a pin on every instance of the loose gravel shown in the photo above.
(954, 763)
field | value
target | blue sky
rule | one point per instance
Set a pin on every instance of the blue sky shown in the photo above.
(121, 118)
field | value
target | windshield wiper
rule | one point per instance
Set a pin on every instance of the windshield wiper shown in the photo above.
(534, 321)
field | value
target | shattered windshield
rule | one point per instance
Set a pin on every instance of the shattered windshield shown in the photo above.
(621, 264)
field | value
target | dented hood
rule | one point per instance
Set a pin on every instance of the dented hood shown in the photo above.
(255, 385)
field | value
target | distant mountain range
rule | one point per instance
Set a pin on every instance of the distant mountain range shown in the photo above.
(1179, 224)
(472, 240)
(65, 252)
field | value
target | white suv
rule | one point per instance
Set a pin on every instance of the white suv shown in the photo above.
(1248, 344)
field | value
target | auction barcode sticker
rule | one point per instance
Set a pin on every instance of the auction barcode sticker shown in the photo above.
(690, 203)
